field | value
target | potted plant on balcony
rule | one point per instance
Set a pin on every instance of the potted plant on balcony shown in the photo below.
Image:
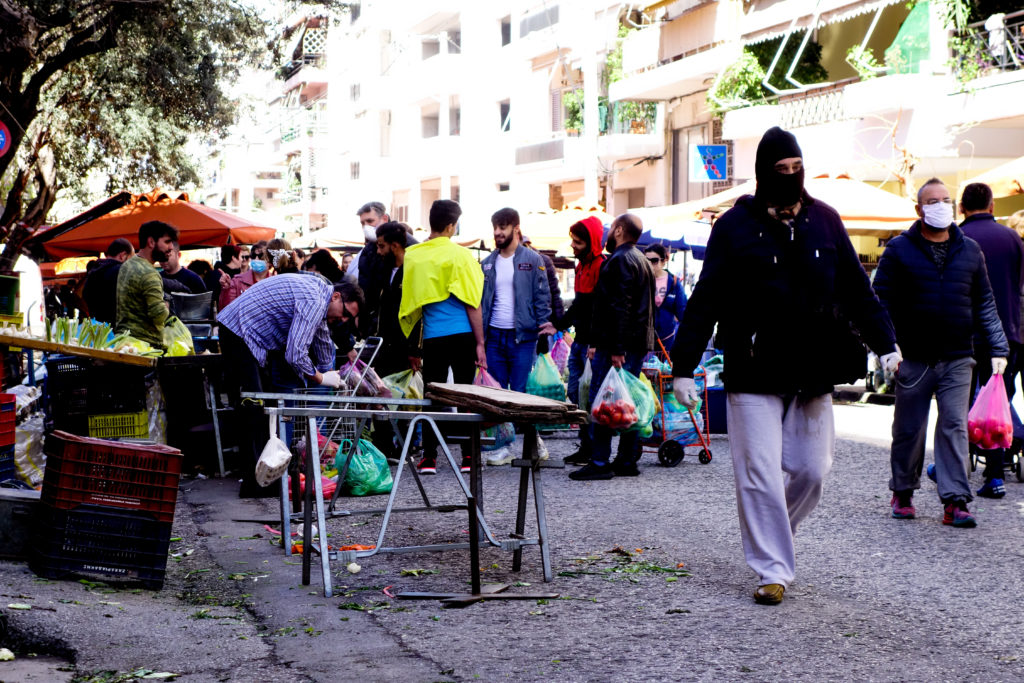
(572, 111)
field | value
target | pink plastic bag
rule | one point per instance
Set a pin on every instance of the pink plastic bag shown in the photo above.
(989, 424)
(560, 354)
(484, 379)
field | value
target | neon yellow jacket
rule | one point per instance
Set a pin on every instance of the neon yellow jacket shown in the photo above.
(435, 270)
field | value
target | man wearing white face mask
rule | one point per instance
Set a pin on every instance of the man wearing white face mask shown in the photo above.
(367, 267)
(933, 281)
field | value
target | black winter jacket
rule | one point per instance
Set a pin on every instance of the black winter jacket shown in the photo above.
(936, 311)
(623, 314)
(100, 292)
(784, 300)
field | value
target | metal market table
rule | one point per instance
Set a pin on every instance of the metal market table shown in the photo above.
(281, 407)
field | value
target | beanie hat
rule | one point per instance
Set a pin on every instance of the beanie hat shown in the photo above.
(777, 144)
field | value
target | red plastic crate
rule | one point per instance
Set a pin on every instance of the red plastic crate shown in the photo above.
(82, 470)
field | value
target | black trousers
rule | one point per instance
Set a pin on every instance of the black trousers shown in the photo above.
(994, 457)
(456, 352)
(245, 374)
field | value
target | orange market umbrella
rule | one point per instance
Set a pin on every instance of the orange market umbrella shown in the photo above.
(198, 226)
(1005, 180)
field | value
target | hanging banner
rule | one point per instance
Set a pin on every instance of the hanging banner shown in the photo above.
(708, 163)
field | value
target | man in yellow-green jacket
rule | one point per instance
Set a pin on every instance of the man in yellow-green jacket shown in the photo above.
(140, 291)
(443, 286)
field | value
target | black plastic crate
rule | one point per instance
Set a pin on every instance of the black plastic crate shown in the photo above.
(7, 468)
(98, 540)
(78, 387)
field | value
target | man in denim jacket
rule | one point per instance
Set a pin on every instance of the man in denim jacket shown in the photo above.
(516, 303)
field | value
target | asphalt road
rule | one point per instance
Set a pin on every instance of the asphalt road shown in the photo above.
(875, 598)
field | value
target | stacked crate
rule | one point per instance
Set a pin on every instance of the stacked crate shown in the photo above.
(102, 400)
(107, 509)
(8, 416)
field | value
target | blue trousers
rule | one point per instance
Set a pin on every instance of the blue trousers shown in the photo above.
(577, 362)
(509, 362)
(601, 436)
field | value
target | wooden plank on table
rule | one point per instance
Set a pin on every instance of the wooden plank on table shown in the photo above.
(511, 405)
(52, 347)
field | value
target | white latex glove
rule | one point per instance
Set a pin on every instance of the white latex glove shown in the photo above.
(331, 379)
(891, 361)
(998, 366)
(685, 390)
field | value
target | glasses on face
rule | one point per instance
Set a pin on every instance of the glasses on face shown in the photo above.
(654, 261)
(246, 257)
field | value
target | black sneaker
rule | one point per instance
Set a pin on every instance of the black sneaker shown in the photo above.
(592, 472)
(467, 463)
(625, 468)
(577, 458)
(428, 465)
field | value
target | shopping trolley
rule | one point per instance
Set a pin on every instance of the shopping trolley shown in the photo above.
(669, 441)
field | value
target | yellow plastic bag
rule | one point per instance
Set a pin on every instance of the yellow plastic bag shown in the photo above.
(177, 338)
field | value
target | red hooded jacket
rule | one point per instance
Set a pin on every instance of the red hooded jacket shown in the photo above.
(581, 311)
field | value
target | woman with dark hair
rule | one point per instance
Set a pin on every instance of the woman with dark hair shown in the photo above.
(669, 296)
(321, 261)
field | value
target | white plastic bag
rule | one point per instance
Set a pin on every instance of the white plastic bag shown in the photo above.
(273, 461)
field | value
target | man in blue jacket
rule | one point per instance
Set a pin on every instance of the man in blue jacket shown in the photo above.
(1004, 260)
(783, 283)
(515, 305)
(933, 282)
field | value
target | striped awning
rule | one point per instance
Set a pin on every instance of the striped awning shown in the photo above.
(769, 21)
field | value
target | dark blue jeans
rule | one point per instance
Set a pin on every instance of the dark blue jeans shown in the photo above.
(577, 362)
(601, 436)
(508, 362)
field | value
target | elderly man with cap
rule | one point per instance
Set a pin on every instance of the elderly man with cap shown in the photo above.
(784, 284)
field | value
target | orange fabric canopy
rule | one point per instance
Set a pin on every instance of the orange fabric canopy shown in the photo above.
(198, 226)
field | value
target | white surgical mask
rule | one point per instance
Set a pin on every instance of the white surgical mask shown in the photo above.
(370, 233)
(938, 215)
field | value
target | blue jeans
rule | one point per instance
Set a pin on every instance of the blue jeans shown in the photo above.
(601, 436)
(508, 362)
(577, 362)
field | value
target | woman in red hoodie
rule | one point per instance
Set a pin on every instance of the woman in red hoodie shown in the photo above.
(587, 244)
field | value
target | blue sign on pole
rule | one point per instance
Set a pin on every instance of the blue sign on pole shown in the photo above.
(708, 163)
(5, 139)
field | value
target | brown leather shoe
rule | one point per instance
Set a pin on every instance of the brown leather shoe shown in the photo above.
(769, 594)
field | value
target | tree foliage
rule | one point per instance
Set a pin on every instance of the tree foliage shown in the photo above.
(114, 86)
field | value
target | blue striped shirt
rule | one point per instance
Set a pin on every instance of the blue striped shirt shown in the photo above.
(286, 312)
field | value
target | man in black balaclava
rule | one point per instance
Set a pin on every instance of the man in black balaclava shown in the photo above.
(783, 283)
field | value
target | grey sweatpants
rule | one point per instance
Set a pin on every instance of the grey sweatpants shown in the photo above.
(916, 383)
(781, 451)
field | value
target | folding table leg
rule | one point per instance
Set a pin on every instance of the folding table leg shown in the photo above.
(542, 524)
(216, 426)
(313, 470)
(529, 453)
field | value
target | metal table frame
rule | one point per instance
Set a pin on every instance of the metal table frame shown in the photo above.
(361, 409)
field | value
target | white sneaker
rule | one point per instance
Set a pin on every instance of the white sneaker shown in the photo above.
(542, 450)
(502, 456)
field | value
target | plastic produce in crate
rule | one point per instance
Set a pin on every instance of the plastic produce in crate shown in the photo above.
(123, 426)
(86, 470)
(93, 539)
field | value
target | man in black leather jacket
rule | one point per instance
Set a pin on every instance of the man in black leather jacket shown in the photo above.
(933, 281)
(623, 333)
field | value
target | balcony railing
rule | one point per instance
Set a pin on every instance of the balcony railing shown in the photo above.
(993, 46)
(306, 121)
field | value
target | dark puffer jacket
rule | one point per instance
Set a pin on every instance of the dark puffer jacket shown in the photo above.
(784, 300)
(936, 311)
(624, 303)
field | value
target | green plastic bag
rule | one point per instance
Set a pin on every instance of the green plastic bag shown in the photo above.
(177, 338)
(368, 472)
(642, 393)
(545, 380)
